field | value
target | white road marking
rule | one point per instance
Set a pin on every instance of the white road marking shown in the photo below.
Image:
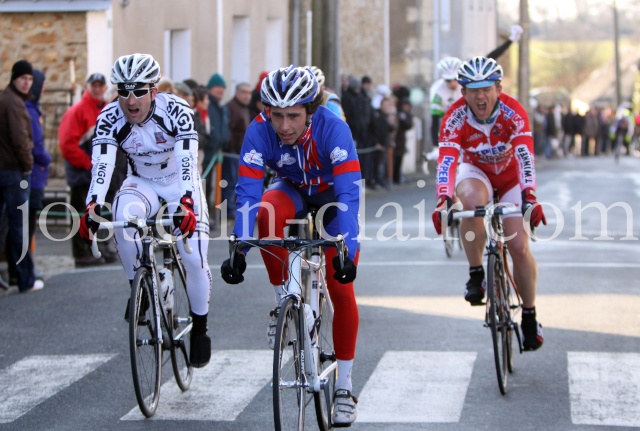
(30, 381)
(417, 387)
(604, 388)
(219, 392)
(606, 313)
(540, 264)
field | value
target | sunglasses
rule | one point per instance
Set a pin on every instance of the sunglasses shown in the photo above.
(138, 93)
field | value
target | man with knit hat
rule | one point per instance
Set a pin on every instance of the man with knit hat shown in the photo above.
(16, 163)
(219, 120)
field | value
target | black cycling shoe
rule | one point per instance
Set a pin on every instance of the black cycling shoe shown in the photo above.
(200, 353)
(145, 307)
(532, 335)
(474, 293)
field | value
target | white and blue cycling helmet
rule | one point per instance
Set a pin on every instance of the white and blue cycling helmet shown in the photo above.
(289, 86)
(479, 72)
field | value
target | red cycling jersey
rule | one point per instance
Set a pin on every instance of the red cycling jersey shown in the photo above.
(501, 147)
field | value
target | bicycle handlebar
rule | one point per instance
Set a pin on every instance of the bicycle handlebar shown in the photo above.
(290, 243)
(140, 225)
(486, 212)
(490, 212)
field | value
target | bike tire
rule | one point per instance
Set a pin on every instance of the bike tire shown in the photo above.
(289, 392)
(512, 326)
(145, 342)
(326, 360)
(457, 228)
(181, 325)
(497, 324)
(448, 238)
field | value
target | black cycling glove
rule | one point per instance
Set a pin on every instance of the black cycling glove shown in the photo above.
(233, 274)
(347, 273)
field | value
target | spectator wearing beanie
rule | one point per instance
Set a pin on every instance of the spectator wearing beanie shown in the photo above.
(16, 164)
(219, 121)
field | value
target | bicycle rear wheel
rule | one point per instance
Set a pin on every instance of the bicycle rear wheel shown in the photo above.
(145, 342)
(289, 393)
(498, 319)
(181, 322)
(326, 362)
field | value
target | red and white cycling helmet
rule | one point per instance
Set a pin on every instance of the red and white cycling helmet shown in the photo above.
(289, 86)
(135, 68)
(448, 67)
(479, 72)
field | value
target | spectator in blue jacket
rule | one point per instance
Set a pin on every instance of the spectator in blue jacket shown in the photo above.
(41, 157)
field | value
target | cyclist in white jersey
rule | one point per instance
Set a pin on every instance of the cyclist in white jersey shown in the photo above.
(156, 131)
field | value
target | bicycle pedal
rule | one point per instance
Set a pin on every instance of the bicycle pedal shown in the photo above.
(477, 303)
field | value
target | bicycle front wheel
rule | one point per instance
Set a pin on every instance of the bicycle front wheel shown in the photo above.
(326, 363)
(145, 342)
(289, 393)
(498, 320)
(180, 317)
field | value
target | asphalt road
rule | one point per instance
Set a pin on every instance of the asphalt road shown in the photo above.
(424, 360)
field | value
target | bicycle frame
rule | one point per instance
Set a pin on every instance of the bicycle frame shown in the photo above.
(501, 306)
(306, 286)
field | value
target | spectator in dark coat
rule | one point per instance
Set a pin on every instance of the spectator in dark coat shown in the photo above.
(41, 157)
(239, 120)
(219, 120)
(16, 163)
(405, 122)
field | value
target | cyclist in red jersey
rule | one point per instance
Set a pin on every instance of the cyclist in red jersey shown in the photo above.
(491, 131)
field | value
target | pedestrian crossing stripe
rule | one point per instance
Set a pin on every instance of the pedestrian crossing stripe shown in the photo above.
(405, 386)
(218, 392)
(604, 388)
(30, 381)
(417, 387)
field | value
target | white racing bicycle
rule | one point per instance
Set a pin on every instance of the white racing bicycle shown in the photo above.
(304, 361)
(159, 310)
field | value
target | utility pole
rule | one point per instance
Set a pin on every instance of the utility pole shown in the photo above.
(616, 44)
(523, 58)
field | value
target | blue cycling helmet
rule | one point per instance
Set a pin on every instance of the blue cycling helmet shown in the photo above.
(479, 72)
(289, 86)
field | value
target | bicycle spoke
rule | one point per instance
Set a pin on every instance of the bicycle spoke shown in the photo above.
(181, 330)
(289, 392)
(145, 346)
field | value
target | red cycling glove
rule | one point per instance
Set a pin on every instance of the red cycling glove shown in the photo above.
(88, 224)
(444, 204)
(187, 220)
(530, 204)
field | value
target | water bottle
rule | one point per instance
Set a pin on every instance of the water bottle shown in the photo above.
(310, 321)
(166, 287)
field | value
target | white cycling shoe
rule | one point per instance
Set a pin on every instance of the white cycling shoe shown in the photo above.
(344, 409)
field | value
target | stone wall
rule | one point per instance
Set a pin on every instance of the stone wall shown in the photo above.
(49, 41)
(53, 43)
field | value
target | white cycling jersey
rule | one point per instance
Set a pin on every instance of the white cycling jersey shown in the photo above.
(162, 154)
(442, 97)
(162, 149)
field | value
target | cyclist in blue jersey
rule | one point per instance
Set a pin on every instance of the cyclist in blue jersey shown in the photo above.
(314, 157)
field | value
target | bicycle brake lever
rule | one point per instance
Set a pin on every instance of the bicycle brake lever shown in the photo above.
(94, 247)
(232, 248)
(187, 246)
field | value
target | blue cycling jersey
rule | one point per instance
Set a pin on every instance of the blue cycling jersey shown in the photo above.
(323, 159)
